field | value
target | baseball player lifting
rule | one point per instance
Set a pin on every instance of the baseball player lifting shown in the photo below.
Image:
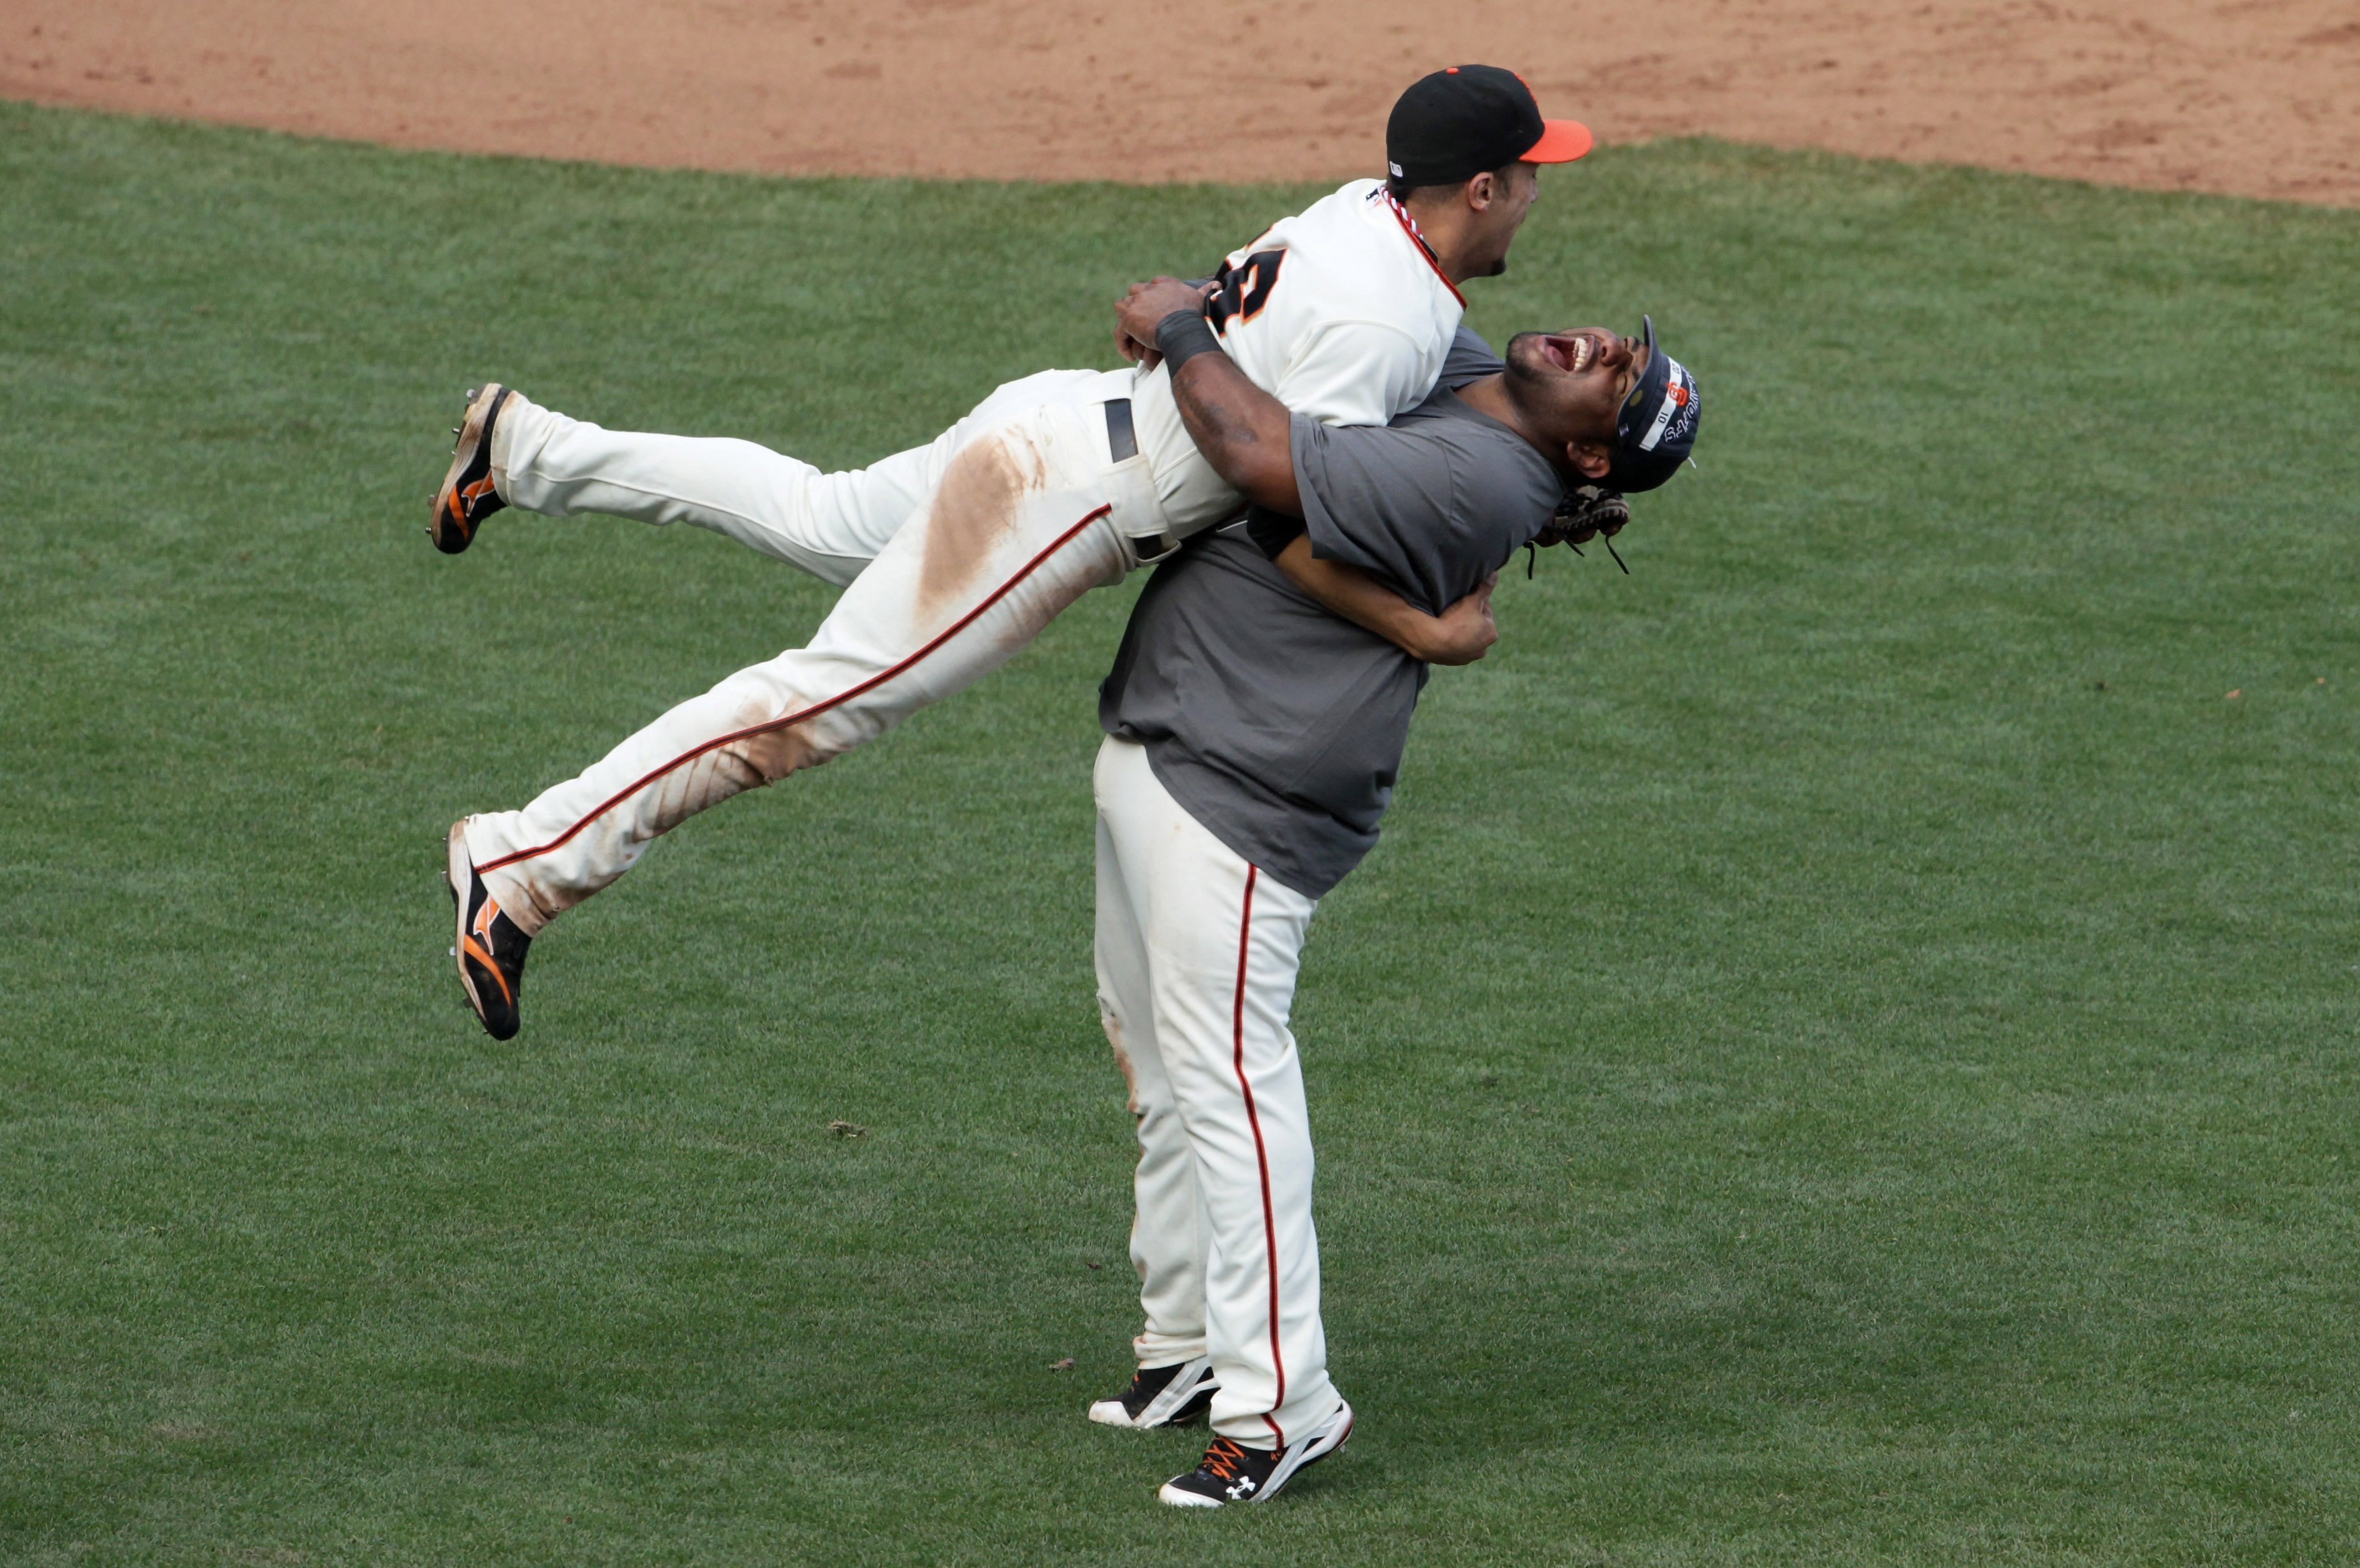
(958, 552)
(1221, 820)
(1253, 738)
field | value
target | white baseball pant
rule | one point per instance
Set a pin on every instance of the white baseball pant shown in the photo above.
(979, 539)
(1197, 958)
(831, 525)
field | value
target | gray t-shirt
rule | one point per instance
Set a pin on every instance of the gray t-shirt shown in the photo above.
(1275, 723)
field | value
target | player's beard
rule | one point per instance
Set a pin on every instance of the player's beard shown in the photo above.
(1520, 373)
(1527, 384)
(1543, 397)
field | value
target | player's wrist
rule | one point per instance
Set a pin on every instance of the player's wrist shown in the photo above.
(1272, 531)
(1183, 335)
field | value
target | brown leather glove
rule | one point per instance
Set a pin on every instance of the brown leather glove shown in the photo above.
(1584, 513)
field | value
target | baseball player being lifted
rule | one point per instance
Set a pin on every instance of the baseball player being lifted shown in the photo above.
(1252, 742)
(958, 552)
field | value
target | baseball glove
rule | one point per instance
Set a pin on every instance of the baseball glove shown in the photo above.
(1587, 512)
(1584, 513)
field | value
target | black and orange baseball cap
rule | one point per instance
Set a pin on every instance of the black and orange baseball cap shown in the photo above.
(1459, 121)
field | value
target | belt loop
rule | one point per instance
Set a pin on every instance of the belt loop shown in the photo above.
(1121, 440)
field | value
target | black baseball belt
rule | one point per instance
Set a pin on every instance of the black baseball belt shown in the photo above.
(1123, 442)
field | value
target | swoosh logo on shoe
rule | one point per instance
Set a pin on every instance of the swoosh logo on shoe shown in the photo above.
(481, 950)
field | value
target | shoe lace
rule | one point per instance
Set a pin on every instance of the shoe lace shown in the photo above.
(1224, 1459)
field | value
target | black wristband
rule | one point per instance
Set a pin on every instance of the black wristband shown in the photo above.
(1183, 335)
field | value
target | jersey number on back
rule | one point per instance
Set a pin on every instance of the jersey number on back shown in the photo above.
(1243, 290)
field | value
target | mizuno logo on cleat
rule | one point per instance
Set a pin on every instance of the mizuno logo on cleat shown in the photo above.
(479, 948)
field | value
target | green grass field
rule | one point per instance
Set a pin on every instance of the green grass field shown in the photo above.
(1846, 1054)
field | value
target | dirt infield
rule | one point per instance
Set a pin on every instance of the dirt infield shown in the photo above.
(2255, 97)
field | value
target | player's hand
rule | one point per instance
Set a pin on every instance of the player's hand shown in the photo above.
(1137, 313)
(1465, 632)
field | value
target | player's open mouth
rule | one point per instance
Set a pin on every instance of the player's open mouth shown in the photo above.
(1570, 355)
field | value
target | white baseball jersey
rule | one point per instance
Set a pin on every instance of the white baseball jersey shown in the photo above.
(1341, 312)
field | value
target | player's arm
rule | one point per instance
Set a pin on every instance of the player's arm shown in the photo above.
(1240, 429)
(1460, 635)
(1246, 434)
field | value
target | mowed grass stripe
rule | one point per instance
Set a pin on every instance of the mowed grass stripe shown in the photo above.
(1843, 1056)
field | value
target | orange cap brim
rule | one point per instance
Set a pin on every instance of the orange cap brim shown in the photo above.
(1561, 141)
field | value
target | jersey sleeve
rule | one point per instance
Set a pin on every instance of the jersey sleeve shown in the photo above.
(1356, 373)
(1470, 359)
(1430, 508)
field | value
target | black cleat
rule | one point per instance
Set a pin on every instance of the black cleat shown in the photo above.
(1232, 1473)
(467, 497)
(490, 948)
(1162, 1396)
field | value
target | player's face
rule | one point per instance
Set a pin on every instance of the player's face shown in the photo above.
(1572, 384)
(1507, 200)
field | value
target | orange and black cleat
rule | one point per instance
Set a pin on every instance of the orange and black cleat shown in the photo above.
(490, 948)
(1230, 1472)
(467, 497)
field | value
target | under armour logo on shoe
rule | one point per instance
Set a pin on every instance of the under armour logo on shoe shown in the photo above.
(1240, 1489)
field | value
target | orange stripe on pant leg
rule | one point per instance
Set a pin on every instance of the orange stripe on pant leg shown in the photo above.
(1261, 1155)
(805, 716)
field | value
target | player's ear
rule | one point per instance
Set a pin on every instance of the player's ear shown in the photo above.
(1592, 458)
(1482, 190)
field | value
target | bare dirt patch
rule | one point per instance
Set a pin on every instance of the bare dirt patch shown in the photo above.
(2253, 97)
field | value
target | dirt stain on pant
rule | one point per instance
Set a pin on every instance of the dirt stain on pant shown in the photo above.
(1113, 1027)
(746, 763)
(774, 753)
(976, 505)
